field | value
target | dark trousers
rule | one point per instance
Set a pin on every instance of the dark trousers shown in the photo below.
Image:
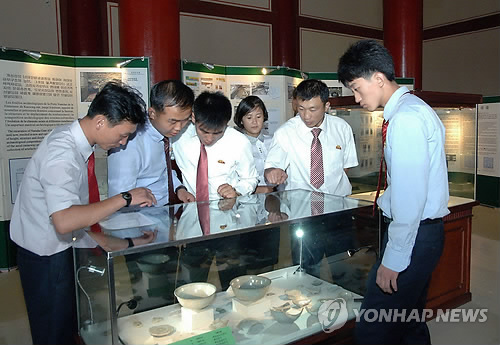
(49, 291)
(413, 284)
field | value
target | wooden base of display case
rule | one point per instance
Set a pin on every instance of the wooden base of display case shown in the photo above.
(450, 283)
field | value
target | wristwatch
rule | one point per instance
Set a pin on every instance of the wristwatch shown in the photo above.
(128, 197)
(130, 242)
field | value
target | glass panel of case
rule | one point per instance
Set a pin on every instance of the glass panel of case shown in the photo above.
(311, 247)
(460, 147)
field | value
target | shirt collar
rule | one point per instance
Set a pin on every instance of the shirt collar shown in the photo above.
(152, 131)
(192, 130)
(305, 129)
(393, 101)
(82, 144)
(253, 140)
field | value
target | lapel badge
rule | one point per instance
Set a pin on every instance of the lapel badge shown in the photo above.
(338, 147)
(221, 161)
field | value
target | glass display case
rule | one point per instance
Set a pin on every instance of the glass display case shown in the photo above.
(270, 270)
(458, 112)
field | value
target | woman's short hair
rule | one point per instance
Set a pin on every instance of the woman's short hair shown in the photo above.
(247, 105)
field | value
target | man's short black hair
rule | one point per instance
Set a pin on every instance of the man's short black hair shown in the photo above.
(311, 88)
(171, 93)
(364, 58)
(119, 102)
(212, 110)
(246, 105)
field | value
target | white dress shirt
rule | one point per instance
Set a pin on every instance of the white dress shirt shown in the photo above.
(260, 149)
(230, 161)
(55, 179)
(141, 163)
(417, 176)
(291, 151)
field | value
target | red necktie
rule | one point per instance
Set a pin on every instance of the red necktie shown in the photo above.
(317, 203)
(93, 188)
(202, 191)
(172, 198)
(317, 175)
(383, 166)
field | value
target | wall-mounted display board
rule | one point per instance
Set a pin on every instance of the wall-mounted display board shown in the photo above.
(488, 152)
(274, 85)
(38, 95)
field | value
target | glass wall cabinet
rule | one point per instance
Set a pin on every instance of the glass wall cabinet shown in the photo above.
(273, 260)
(458, 112)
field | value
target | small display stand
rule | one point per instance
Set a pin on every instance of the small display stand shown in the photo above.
(196, 319)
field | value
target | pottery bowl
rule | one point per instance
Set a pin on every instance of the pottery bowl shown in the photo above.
(195, 296)
(250, 288)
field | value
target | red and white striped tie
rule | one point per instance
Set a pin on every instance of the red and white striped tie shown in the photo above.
(317, 174)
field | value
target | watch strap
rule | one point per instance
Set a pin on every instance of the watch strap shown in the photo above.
(130, 242)
(128, 198)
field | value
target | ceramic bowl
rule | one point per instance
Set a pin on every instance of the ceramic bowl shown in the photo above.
(250, 288)
(195, 296)
(153, 263)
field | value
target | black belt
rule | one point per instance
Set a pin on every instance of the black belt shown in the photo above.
(422, 222)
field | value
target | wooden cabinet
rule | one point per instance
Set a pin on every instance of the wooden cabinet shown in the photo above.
(450, 283)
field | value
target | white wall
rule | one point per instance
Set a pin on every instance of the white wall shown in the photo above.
(439, 12)
(366, 13)
(225, 41)
(320, 51)
(468, 63)
(30, 24)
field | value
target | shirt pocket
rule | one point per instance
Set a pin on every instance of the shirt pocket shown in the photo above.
(333, 157)
(219, 172)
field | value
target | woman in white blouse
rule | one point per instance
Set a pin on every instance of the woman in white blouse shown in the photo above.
(250, 117)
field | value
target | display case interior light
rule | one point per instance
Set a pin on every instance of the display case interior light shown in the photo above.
(299, 233)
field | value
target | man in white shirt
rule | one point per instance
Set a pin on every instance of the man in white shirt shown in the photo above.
(289, 160)
(52, 209)
(414, 202)
(143, 161)
(231, 167)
